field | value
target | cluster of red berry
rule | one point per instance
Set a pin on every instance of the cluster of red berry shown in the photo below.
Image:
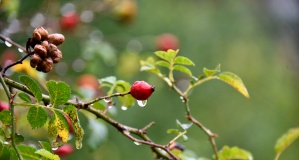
(45, 51)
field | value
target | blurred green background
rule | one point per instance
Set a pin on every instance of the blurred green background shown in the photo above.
(257, 40)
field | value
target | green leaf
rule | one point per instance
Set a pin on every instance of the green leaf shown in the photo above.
(183, 69)
(46, 154)
(46, 146)
(183, 60)
(110, 79)
(234, 153)
(24, 97)
(59, 92)
(235, 81)
(5, 117)
(127, 100)
(71, 112)
(149, 65)
(168, 56)
(170, 131)
(210, 72)
(58, 129)
(28, 153)
(163, 64)
(285, 140)
(37, 117)
(33, 87)
(4, 152)
(19, 138)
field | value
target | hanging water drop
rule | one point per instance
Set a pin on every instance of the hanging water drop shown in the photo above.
(107, 99)
(5, 142)
(124, 108)
(137, 143)
(182, 98)
(141, 103)
(54, 148)
(20, 50)
(8, 44)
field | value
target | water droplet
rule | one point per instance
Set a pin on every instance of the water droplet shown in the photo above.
(124, 108)
(141, 103)
(54, 148)
(107, 99)
(137, 143)
(20, 50)
(182, 98)
(6, 142)
(8, 44)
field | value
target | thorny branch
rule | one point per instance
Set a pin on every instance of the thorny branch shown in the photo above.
(189, 117)
(161, 151)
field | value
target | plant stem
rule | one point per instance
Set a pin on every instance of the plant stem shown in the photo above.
(13, 127)
(122, 128)
(20, 60)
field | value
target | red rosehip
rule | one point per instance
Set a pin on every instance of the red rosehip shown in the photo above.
(69, 21)
(167, 41)
(64, 150)
(4, 106)
(141, 90)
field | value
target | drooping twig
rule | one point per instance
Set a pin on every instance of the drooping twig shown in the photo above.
(13, 127)
(20, 60)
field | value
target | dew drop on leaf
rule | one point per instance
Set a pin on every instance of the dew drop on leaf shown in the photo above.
(137, 143)
(124, 108)
(20, 50)
(8, 44)
(141, 103)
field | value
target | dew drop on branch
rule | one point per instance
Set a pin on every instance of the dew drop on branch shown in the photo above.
(54, 148)
(8, 44)
(137, 143)
(20, 50)
(141, 103)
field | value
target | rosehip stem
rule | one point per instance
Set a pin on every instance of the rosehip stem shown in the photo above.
(13, 127)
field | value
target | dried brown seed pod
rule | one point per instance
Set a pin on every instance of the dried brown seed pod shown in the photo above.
(46, 45)
(35, 60)
(56, 38)
(57, 57)
(36, 36)
(40, 34)
(40, 50)
(45, 66)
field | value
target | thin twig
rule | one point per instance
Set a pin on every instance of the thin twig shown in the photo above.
(13, 127)
(20, 61)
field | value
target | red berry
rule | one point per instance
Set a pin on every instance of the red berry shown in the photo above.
(141, 90)
(64, 150)
(69, 21)
(167, 41)
(4, 106)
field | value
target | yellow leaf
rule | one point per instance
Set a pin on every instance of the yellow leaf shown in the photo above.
(26, 68)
